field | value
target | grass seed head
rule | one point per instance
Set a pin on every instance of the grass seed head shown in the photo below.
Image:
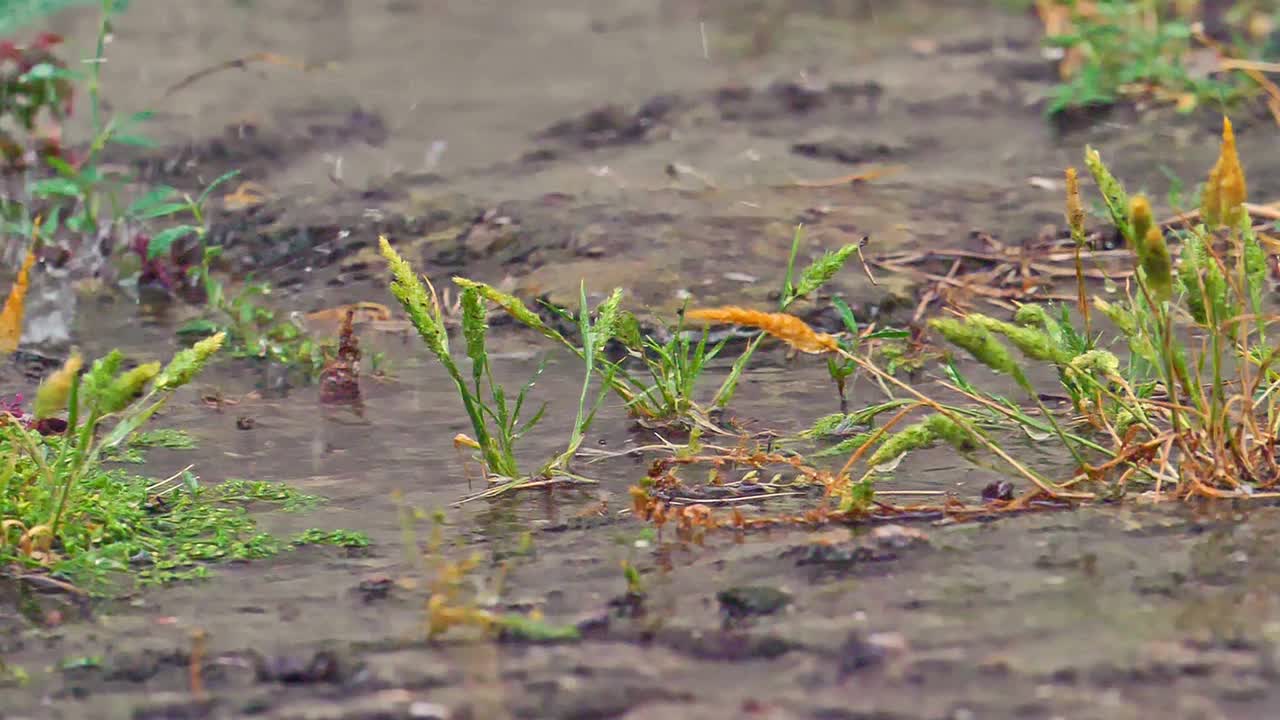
(51, 396)
(1033, 315)
(1222, 200)
(608, 318)
(1113, 193)
(950, 431)
(474, 325)
(512, 305)
(628, 331)
(1075, 208)
(124, 389)
(913, 437)
(826, 426)
(787, 328)
(11, 316)
(101, 374)
(1119, 316)
(823, 269)
(186, 364)
(421, 306)
(1140, 218)
(1097, 362)
(1035, 344)
(978, 342)
(1157, 265)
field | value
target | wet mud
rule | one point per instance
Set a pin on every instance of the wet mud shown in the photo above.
(482, 141)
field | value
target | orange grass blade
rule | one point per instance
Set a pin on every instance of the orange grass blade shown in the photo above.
(787, 328)
(11, 316)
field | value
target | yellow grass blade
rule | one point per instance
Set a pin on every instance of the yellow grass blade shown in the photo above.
(11, 316)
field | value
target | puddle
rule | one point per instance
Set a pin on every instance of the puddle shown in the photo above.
(540, 143)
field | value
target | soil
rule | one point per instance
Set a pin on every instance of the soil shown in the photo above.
(536, 144)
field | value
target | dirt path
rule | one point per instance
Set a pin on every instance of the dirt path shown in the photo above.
(591, 141)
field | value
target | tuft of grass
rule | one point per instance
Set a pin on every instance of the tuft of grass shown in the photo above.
(667, 396)
(171, 438)
(63, 511)
(1138, 50)
(253, 328)
(1192, 411)
(60, 196)
(102, 394)
(18, 14)
(674, 366)
(813, 278)
(496, 415)
(336, 538)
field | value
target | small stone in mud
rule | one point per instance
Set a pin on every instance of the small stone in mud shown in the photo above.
(428, 711)
(51, 426)
(323, 667)
(244, 422)
(838, 554)
(612, 124)
(168, 707)
(628, 605)
(898, 536)
(849, 151)
(375, 588)
(998, 490)
(860, 652)
(742, 602)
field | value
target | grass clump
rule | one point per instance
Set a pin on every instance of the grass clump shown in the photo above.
(1144, 50)
(676, 365)
(52, 194)
(1192, 409)
(336, 538)
(170, 438)
(662, 394)
(254, 330)
(496, 415)
(64, 511)
(673, 366)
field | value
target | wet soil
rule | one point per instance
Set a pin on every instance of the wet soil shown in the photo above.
(538, 144)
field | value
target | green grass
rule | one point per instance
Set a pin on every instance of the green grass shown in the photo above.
(254, 330)
(66, 191)
(496, 415)
(665, 397)
(1141, 50)
(171, 438)
(127, 529)
(16, 15)
(71, 193)
(664, 392)
(336, 538)
(65, 510)
(1190, 409)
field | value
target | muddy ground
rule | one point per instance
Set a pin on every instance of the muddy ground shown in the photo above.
(606, 141)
